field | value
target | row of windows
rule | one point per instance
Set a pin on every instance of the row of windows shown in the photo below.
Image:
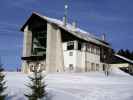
(90, 48)
(94, 67)
(40, 67)
(93, 49)
(71, 45)
(91, 67)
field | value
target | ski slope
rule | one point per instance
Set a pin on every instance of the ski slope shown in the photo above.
(76, 86)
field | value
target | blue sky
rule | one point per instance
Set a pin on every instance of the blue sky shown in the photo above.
(113, 17)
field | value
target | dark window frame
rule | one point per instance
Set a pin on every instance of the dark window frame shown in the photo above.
(70, 45)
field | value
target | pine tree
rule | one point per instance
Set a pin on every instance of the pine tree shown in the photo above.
(2, 84)
(37, 86)
(126, 53)
(121, 52)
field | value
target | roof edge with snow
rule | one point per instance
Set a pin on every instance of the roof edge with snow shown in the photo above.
(124, 58)
(78, 32)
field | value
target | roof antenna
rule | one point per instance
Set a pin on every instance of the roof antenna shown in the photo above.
(65, 13)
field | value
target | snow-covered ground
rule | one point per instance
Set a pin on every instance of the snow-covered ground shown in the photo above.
(76, 86)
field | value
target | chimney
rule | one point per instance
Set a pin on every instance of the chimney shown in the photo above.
(64, 21)
(74, 25)
(103, 37)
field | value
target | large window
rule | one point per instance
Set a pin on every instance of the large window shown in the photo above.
(39, 42)
(70, 45)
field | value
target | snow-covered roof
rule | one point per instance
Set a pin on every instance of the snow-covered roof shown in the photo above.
(77, 32)
(124, 58)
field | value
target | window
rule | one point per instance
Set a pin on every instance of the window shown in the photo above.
(70, 46)
(92, 49)
(92, 67)
(42, 67)
(104, 56)
(39, 42)
(31, 68)
(88, 47)
(97, 51)
(71, 67)
(70, 53)
(79, 46)
(97, 67)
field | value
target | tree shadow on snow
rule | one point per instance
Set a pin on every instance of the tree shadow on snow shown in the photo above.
(12, 97)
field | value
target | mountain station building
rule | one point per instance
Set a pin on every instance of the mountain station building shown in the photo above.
(58, 46)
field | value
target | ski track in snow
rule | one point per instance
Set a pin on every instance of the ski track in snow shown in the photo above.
(76, 86)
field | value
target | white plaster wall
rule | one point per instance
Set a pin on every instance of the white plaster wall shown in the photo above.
(69, 59)
(78, 59)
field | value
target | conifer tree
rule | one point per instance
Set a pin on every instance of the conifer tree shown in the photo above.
(126, 53)
(2, 84)
(37, 86)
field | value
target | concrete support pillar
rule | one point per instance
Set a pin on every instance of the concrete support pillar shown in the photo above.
(27, 46)
(85, 55)
(27, 42)
(75, 45)
(59, 52)
(54, 51)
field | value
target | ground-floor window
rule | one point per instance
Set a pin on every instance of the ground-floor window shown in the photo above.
(40, 67)
(92, 67)
(97, 67)
(71, 67)
(87, 66)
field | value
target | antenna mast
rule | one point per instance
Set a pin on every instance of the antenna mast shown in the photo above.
(65, 13)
